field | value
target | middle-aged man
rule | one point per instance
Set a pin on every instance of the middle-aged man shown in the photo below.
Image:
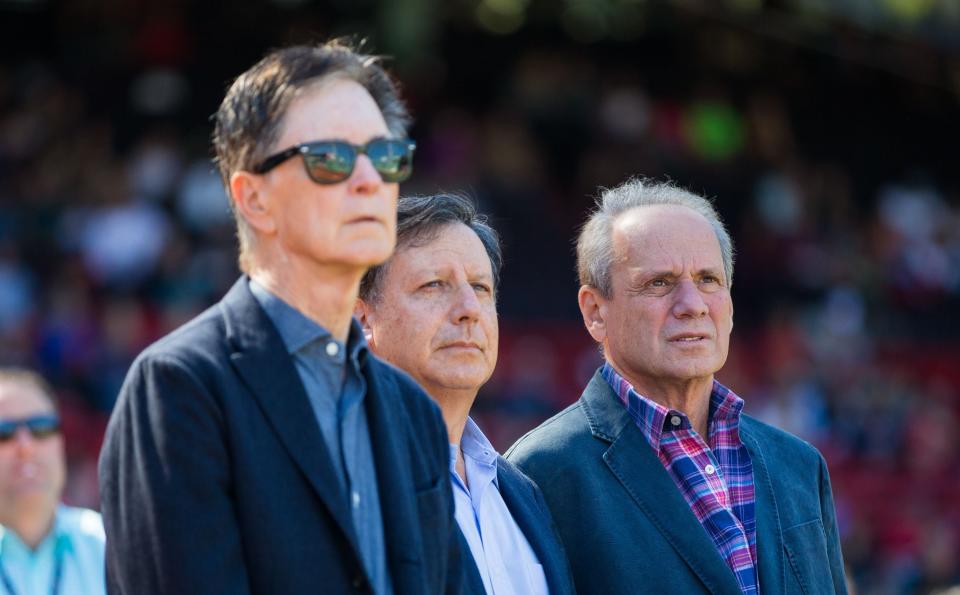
(45, 547)
(431, 310)
(657, 481)
(260, 448)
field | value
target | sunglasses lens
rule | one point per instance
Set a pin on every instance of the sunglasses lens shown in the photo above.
(393, 159)
(330, 162)
(43, 427)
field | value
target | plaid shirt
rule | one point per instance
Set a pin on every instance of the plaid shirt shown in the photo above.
(716, 480)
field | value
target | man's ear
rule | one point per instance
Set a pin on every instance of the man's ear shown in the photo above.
(250, 200)
(361, 311)
(591, 308)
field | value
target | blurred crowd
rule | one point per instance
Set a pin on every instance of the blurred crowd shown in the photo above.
(838, 184)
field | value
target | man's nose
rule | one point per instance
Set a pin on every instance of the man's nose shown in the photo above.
(467, 306)
(24, 440)
(365, 179)
(689, 301)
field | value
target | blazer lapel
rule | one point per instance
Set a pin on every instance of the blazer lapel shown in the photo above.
(519, 499)
(771, 565)
(261, 359)
(401, 530)
(638, 469)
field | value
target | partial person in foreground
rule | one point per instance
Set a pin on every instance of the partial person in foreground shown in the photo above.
(45, 547)
(260, 449)
(431, 310)
(656, 479)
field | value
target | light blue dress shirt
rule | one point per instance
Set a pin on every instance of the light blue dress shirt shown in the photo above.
(507, 563)
(77, 535)
(332, 377)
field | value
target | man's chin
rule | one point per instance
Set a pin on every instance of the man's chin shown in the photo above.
(463, 381)
(370, 252)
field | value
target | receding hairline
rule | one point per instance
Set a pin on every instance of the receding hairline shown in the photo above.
(668, 207)
(618, 220)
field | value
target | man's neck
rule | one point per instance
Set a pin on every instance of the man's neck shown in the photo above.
(32, 528)
(327, 296)
(455, 406)
(691, 397)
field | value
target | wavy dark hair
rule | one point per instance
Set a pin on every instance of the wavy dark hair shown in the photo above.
(419, 221)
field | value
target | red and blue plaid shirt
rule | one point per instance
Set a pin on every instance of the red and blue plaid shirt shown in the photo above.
(716, 480)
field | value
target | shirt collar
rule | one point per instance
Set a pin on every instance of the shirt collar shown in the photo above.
(298, 331)
(725, 405)
(651, 417)
(476, 447)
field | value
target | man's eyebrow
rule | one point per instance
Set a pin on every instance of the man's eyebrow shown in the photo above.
(669, 273)
(641, 272)
(715, 271)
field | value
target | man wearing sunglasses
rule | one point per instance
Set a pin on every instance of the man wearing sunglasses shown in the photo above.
(45, 547)
(261, 448)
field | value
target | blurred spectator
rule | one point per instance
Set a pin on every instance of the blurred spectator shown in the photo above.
(46, 547)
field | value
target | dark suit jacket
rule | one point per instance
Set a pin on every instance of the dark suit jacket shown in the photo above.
(215, 479)
(526, 504)
(627, 528)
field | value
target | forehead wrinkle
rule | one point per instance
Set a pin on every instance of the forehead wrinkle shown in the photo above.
(343, 116)
(655, 247)
(428, 258)
(471, 270)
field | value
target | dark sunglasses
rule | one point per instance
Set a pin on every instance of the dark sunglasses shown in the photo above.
(39, 426)
(332, 161)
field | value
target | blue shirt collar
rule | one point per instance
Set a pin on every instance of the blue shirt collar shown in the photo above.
(298, 331)
(479, 450)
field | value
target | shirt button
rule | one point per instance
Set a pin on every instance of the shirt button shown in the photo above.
(355, 498)
(675, 420)
(710, 469)
(332, 348)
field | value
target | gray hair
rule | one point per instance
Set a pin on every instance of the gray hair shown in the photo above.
(419, 221)
(248, 121)
(595, 244)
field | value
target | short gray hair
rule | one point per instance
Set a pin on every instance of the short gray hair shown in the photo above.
(419, 221)
(595, 244)
(249, 119)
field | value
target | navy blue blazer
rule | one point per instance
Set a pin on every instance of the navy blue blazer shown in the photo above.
(526, 504)
(214, 476)
(627, 528)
